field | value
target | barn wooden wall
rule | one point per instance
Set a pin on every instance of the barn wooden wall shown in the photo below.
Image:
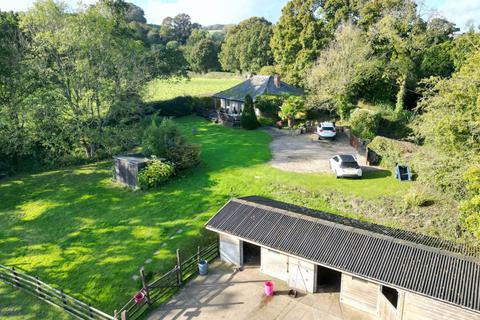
(359, 294)
(417, 307)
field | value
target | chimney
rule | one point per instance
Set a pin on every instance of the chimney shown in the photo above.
(277, 81)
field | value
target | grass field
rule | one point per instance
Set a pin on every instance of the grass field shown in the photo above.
(79, 231)
(198, 85)
(16, 305)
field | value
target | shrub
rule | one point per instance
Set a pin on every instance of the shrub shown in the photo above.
(249, 118)
(364, 123)
(292, 108)
(418, 196)
(392, 151)
(155, 174)
(184, 154)
(269, 105)
(166, 140)
(176, 107)
(471, 207)
(155, 137)
(268, 71)
(266, 121)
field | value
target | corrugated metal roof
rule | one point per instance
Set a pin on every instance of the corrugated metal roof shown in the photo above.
(422, 264)
(257, 86)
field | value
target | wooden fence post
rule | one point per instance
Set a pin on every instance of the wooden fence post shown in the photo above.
(90, 313)
(124, 315)
(64, 299)
(145, 285)
(198, 254)
(115, 314)
(38, 288)
(179, 268)
(15, 277)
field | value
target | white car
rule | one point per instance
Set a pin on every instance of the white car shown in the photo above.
(326, 130)
(345, 165)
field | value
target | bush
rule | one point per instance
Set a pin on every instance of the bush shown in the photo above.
(392, 151)
(176, 107)
(266, 121)
(166, 141)
(364, 123)
(269, 105)
(155, 137)
(471, 207)
(418, 196)
(293, 108)
(249, 118)
(268, 71)
(155, 174)
(185, 155)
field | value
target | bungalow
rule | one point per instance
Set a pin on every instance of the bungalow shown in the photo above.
(230, 102)
(386, 272)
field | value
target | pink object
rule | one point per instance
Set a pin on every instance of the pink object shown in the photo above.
(139, 297)
(268, 288)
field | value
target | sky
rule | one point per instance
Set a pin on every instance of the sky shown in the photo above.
(207, 12)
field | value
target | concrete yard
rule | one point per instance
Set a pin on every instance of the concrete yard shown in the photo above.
(228, 294)
(305, 153)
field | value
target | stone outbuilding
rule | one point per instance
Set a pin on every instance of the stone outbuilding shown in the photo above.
(386, 272)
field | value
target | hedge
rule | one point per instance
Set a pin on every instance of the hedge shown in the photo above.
(179, 106)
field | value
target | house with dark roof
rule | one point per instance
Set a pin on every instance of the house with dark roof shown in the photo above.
(230, 102)
(388, 273)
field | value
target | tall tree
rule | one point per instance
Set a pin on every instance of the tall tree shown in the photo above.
(177, 28)
(297, 38)
(201, 52)
(16, 82)
(247, 46)
(91, 68)
(342, 68)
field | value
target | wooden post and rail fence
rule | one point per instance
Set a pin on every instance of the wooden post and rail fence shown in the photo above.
(156, 291)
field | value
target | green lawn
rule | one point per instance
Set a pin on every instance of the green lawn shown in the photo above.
(79, 231)
(198, 85)
(17, 305)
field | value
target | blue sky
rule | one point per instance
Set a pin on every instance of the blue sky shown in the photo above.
(228, 11)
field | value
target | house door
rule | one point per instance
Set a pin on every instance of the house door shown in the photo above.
(388, 303)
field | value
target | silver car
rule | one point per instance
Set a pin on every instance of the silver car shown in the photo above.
(345, 166)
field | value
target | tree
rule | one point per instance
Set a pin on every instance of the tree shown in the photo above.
(292, 108)
(247, 46)
(134, 13)
(204, 56)
(400, 36)
(342, 70)
(248, 119)
(16, 83)
(450, 118)
(87, 70)
(464, 46)
(201, 52)
(296, 40)
(177, 28)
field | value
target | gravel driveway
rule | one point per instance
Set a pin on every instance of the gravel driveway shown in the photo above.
(305, 153)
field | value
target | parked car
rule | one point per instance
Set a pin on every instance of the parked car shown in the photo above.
(326, 130)
(345, 165)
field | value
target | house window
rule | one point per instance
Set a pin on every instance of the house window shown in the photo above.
(391, 295)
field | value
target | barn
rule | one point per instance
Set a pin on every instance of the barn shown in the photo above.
(386, 272)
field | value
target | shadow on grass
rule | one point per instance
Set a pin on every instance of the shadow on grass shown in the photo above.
(375, 173)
